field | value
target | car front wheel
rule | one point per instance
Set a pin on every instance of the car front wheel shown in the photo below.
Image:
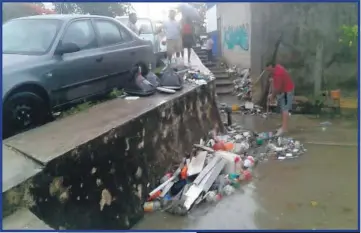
(23, 111)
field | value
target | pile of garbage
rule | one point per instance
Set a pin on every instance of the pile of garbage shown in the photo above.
(197, 77)
(245, 108)
(243, 85)
(217, 167)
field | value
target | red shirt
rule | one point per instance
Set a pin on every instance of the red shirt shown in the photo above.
(282, 80)
(187, 29)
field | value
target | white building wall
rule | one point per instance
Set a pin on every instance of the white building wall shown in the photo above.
(211, 17)
(236, 33)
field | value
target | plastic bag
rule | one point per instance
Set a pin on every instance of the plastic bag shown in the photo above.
(170, 79)
(139, 86)
(153, 79)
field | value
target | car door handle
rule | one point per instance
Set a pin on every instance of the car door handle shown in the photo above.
(99, 59)
(132, 53)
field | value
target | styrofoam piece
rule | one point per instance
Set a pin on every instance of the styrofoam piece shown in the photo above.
(166, 90)
(230, 158)
(205, 184)
(197, 163)
(208, 168)
(191, 196)
(249, 105)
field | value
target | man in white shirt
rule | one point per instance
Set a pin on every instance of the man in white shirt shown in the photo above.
(173, 34)
(132, 23)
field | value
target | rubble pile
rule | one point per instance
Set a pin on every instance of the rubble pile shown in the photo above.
(217, 167)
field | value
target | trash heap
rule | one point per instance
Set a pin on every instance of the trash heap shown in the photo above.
(197, 77)
(243, 85)
(216, 168)
(245, 108)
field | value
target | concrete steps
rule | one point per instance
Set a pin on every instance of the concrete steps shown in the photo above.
(224, 90)
(224, 84)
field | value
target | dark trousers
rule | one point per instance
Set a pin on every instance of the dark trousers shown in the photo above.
(210, 55)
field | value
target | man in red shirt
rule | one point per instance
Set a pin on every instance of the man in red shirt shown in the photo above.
(283, 88)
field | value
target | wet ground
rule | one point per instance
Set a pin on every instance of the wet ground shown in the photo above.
(316, 191)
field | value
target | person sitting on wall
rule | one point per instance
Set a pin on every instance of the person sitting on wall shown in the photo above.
(283, 89)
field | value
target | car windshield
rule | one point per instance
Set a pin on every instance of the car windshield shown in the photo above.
(29, 36)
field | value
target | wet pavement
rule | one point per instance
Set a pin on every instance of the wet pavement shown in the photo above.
(319, 190)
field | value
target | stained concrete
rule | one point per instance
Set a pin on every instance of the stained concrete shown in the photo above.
(18, 168)
(23, 219)
(99, 165)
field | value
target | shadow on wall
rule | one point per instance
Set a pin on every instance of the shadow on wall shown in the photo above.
(236, 36)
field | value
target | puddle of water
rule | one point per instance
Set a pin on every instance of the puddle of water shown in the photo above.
(315, 191)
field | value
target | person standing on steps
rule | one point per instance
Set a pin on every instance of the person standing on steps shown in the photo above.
(173, 34)
(209, 48)
(132, 23)
(187, 37)
(283, 90)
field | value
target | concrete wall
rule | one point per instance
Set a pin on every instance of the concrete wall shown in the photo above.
(236, 32)
(309, 49)
(211, 16)
(93, 170)
(212, 28)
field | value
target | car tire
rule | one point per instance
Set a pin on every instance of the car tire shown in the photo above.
(23, 111)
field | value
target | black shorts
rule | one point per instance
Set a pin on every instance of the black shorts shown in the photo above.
(187, 41)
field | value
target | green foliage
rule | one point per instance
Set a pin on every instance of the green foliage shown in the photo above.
(348, 40)
(115, 93)
(110, 9)
(349, 35)
(79, 108)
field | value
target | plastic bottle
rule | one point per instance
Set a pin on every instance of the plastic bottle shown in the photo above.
(248, 163)
(238, 164)
(247, 175)
(184, 173)
(211, 196)
(151, 206)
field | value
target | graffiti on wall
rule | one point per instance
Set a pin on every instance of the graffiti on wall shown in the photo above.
(236, 36)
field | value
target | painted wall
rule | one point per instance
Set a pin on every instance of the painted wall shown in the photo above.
(235, 33)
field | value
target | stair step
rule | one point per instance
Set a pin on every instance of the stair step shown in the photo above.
(221, 75)
(224, 90)
(223, 82)
(208, 65)
(202, 53)
(217, 70)
(205, 60)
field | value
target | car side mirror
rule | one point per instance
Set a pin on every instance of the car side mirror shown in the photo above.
(67, 48)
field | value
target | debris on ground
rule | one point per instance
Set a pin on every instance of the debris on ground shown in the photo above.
(197, 77)
(243, 84)
(217, 167)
